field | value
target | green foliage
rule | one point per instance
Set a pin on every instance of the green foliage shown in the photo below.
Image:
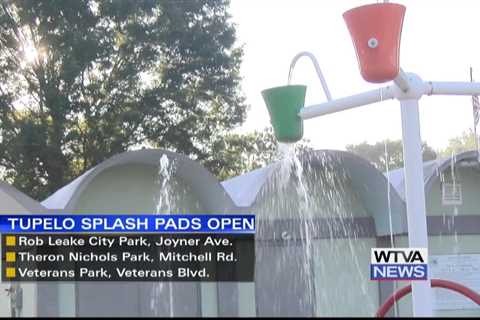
(375, 153)
(464, 142)
(83, 80)
(236, 154)
(240, 153)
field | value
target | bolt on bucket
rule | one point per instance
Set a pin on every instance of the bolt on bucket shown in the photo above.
(283, 104)
(376, 31)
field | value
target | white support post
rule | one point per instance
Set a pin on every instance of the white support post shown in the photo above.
(415, 195)
(451, 88)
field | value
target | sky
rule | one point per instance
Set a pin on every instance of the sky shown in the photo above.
(440, 41)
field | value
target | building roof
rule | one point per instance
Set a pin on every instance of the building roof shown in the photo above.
(431, 170)
(242, 191)
(205, 186)
(22, 199)
(370, 184)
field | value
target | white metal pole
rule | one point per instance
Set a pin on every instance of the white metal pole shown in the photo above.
(451, 88)
(415, 195)
(390, 92)
(346, 103)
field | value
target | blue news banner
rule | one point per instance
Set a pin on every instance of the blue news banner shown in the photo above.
(146, 247)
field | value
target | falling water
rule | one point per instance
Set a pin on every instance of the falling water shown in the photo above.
(387, 171)
(301, 193)
(164, 201)
(453, 160)
(164, 175)
(290, 165)
(290, 74)
(454, 192)
(390, 220)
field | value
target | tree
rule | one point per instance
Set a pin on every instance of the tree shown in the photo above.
(239, 153)
(375, 153)
(464, 142)
(83, 80)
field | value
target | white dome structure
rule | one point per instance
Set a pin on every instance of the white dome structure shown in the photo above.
(36, 299)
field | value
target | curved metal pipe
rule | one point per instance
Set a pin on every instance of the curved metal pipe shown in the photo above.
(435, 283)
(317, 69)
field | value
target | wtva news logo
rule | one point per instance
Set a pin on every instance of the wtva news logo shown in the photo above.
(390, 264)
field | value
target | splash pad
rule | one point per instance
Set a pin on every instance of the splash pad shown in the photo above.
(376, 31)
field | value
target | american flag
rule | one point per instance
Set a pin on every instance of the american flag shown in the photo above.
(476, 109)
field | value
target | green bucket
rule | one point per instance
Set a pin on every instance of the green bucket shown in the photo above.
(284, 104)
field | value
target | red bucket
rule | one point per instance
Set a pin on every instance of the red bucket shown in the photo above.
(376, 31)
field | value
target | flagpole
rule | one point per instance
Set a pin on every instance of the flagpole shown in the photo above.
(474, 119)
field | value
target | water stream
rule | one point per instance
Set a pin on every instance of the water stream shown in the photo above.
(390, 220)
(309, 194)
(164, 205)
(455, 189)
